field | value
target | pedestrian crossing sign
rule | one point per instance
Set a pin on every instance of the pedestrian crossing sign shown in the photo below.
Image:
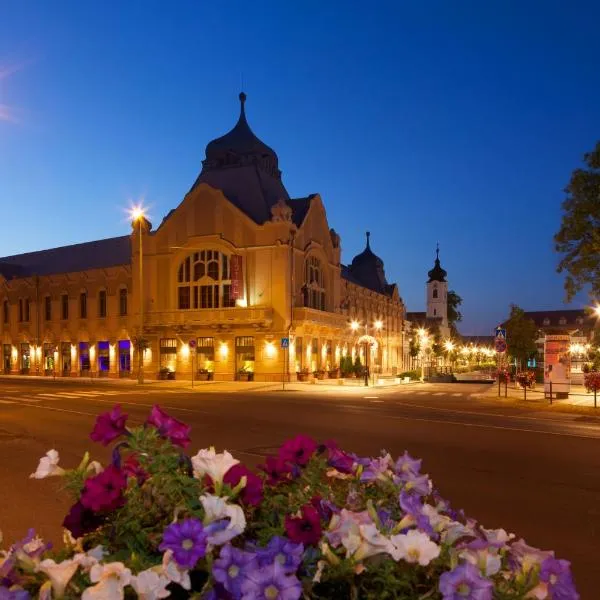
(285, 342)
(500, 333)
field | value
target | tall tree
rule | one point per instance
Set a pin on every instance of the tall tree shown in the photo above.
(579, 235)
(454, 315)
(521, 335)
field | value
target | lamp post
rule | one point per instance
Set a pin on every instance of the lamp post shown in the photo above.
(138, 216)
(423, 341)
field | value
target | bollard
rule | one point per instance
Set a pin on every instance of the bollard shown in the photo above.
(550, 392)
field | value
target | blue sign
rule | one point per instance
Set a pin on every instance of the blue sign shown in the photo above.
(285, 342)
(500, 333)
(192, 344)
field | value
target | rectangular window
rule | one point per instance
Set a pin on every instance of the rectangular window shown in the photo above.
(5, 311)
(49, 357)
(228, 301)
(184, 298)
(65, 356)
(122, 302)
(6, 358)
(124, 356)
(298, 353)
(20, 310)
(27, 309)
(205, 353)
(48, 308)
(102, 304)
(209, 296)
(103, 357)
(83, 305)
(84, 356)
(64, 307)
(195, 296)
(168, 353)
(25, 357)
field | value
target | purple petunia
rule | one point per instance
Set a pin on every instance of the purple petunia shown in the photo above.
(298, 450)
(169, 427)
(109, 426)
(556, 574)
(406, 464)
(465, 582)
(282, 550)
(375, 468)
(187, 540)
(271, 583)
(231, 567)
(14, 594)
(104, 491)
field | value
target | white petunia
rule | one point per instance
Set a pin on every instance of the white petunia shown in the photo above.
(110, 579)
(172, 571)
(364, 541)
(486, 560)
(96, 467)
(208, 462)
(414, 547)
(48, 466)
(59, 573)
(90, 558)
(215, 509)
(150, 585)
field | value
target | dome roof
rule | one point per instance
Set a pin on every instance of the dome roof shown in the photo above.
(367, 269)
(240, 147)
(437, 273)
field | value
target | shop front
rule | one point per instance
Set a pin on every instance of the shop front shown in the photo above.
(49, 365)
(103, 359)
(25, 358)
(124, 358)
(6, 358)
(85, 365)
(65, 358)
(244, 358)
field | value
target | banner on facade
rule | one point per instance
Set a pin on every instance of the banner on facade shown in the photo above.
(236, 277)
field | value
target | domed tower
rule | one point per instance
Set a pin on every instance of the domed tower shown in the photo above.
(437, 294)
(245, 169)
(367, 268)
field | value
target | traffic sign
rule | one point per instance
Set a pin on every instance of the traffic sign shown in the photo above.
(285, 342)
(192, 344)
(500, 345)
(500, 333)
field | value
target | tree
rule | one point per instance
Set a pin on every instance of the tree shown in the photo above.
(454, 315)
(521, 335)
(414, 346)
(579, 235)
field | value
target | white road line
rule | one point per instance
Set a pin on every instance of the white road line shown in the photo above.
(438, 394)
(458, 395)
(421, 393)
(7, 402)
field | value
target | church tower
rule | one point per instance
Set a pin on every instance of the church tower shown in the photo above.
(437, 295)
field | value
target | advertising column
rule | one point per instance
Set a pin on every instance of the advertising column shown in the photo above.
(557, 365)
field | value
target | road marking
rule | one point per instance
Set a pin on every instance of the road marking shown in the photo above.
(370, 397)
(376, 400)
(420, 393)
(438, 394)
(7, 402)
(459, 394)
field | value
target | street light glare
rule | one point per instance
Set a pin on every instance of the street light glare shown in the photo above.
(378, 324)
(137, 212)
(597, 310)
(354, 325)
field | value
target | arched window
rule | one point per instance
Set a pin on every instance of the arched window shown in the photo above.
(204, 281)
(435, 292)
(314, 285)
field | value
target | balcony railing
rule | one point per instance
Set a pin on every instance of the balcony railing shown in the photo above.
(320, 317)
(210, 316)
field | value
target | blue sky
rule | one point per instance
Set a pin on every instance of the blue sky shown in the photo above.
(420, 121)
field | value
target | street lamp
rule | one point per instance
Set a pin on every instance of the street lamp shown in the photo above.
(138, 216)
(422, 342)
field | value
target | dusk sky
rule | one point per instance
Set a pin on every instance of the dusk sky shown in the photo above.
(419, 121)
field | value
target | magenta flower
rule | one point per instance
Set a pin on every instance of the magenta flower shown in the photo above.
(187, 540)
(465, 582)
(81, 520)
(132, 468)
(252, 494)
(105, 490)
(276, 469)
(169, 427)
(305, 529)
(109, 426)
(298, 450)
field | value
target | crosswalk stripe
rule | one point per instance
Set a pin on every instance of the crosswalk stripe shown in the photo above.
(7, 402)
(457, 395)
(420, 393)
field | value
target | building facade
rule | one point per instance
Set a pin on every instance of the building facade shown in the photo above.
(239, 281)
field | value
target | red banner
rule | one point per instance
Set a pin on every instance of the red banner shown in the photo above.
(237, 287)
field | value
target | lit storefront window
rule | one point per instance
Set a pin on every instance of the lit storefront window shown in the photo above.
(124, 357)
(103, 357)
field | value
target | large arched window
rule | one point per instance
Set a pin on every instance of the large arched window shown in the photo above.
(204, 281)
(314, 284)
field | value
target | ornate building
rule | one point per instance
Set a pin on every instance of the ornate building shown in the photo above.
(229, 275)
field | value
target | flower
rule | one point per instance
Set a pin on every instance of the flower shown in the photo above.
(526, 557)
(48, 466)
(230, 568)
(339, 460)
(407, 465)
(414, 547)
(187, 540)
(252, 493)
(59, 573)
(344, 523)
(208, 462)
(365, 540)
(376, 468)
(419, 484)
(277, 469)
(169, 427)
(131, 467)
(110, 579)
(216, 512)
(109, 426)
(14, 593)
(298, 450)
(150, 585)
(304, 528)
(171, 570)
(271, 583)
(105, 490)
(556, 574)
(81, 520)
(465, 581)
(280, 549)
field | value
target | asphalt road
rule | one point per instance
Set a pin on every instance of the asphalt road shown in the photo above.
(534, 473)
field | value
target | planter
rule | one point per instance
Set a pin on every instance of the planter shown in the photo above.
(302, 376)
(48, 372)
(123, 374)
(84, 373)
(320, 375)
(163, 375)
(333, 374)
(246, 376)
(24, 371)
(204, 376)
(102, 373)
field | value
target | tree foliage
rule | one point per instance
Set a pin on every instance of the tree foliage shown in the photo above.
(579, 236)
(414, 346)
(521, 334)
(454, 314)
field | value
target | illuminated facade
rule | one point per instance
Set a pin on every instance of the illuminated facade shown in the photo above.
(235, 269)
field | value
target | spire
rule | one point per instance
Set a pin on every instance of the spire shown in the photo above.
(437, 252)
(368, 236)
(242, 97)
(437, 273)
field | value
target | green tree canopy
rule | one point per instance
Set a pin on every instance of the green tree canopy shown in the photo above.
(521, 334)
(454, 314)
(414, 346)
(579, 236)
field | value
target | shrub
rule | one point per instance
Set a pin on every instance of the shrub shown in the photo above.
(591, 381)
(315, 523)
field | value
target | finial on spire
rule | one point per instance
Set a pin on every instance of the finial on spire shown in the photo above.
(368, 236)
(437, 251)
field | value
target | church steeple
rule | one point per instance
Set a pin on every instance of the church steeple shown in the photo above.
(437, 273)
